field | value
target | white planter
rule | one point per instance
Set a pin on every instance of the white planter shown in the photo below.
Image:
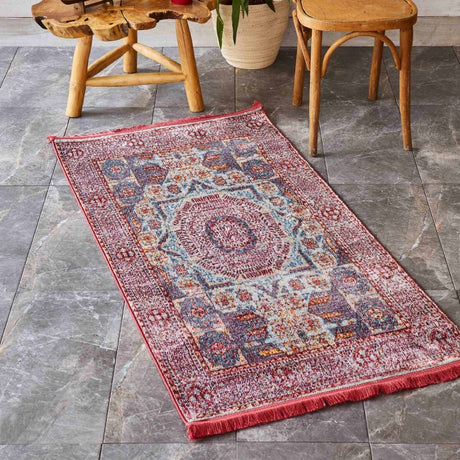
(259, 37)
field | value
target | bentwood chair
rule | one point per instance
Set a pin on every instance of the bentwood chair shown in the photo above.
(356, 17)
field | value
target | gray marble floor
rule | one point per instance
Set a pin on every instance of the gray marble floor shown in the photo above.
(76, 381)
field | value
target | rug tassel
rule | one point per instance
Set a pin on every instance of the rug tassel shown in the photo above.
(197, 430)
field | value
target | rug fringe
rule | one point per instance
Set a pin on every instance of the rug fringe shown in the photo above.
(201, 429)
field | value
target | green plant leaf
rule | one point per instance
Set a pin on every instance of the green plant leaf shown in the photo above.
(270, 4)
(236, 6)
(219, 25)
(245, 6)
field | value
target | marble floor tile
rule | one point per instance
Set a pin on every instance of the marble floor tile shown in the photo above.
(90, 317)
(444, 202)
(50, 452)
(50, 68)
(415, 451)
(345, 81)
(342, 423)
(96, 119)
(57, 359)
(303, 451)
(347, 78)
(141, 410)
(399, 216)
(6, 300)
(217, 79)
(64, 255)
(449, 303)
(49, 88)
(271, 86)
(436, 135)
(6, 56)
(426, 415)
(161, 114)
(164, 451)
(362, 145)
(435, 75)
(20, 209)
(26, 158)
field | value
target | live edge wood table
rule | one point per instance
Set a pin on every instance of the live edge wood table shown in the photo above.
(121, 19)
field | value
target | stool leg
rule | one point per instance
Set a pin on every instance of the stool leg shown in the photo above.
(375, 70)
(77, 86)
(404, 85)
(315, 89)
(299, 77)
(130, 57)
(188, 63)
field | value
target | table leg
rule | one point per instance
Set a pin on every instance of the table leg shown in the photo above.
(77, 86)
(130, 58)
(188, 64)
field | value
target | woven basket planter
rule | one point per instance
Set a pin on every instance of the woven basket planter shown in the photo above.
(259, 38)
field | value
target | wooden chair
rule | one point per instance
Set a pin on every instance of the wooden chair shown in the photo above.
(357, 17)
(115, 19)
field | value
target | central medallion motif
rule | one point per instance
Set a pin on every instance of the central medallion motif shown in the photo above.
(231, 236)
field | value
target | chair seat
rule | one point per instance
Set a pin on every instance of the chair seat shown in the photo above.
(356, 15)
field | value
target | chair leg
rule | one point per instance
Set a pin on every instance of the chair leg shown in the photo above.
(299, 77)
(77, 85)
(188, 63)
(130, 57)
(406, 36)
(375, 70)
(315, 89)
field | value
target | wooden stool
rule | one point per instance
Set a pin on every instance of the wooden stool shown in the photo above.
(357, 17)
(115, 19)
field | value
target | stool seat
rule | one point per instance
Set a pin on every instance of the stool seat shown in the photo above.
(354, 15)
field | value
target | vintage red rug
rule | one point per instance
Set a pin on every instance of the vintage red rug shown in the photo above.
(259, 294)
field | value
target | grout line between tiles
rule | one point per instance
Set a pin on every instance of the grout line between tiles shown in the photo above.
(56, 163)
(367, 428)
(22, 185)
(156, 91)
(35, 230)
(30, 245)
(9, 66)
(113, 375)
(436, 230)
(323, 152)
(457, 55)
(24, 265)
(387, 73)
(247, 442)
(371, 450)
